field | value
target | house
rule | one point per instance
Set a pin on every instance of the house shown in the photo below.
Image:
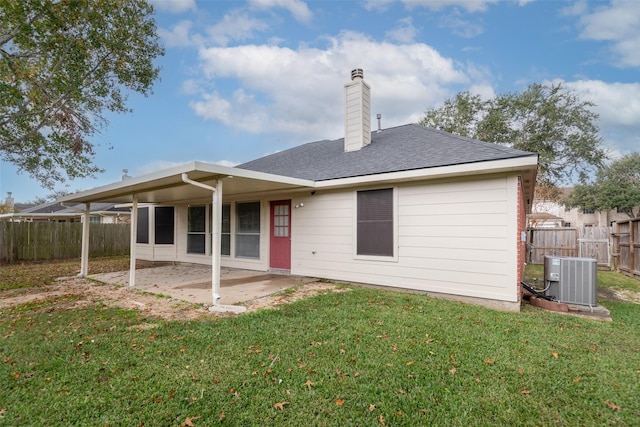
(547, 213)
(100, 213)
(406, 207)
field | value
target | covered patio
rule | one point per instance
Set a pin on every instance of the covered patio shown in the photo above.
(181, 184)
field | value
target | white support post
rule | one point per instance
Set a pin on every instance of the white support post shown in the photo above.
(84, 257)
(133, 239)
(216, 220)
(216, 235)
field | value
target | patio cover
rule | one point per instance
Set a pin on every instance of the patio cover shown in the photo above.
(189, 181)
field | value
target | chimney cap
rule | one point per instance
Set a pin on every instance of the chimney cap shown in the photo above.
(357, 73)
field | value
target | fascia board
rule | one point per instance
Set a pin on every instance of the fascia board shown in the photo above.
(481, 168)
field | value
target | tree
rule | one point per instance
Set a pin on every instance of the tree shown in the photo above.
(63, 64)
(546, 119)
(616, 186)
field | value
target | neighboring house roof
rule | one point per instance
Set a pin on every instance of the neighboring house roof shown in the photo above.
(58, 210)
(402, 148)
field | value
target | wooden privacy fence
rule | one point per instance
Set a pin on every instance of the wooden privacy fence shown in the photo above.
(626, 247)
(585, 242)
(30, 241)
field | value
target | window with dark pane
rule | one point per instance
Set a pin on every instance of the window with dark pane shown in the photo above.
(225, 235)
(142, 232)
(164, 229)
(375, 222)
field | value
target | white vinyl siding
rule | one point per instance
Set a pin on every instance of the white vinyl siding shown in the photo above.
(454, 237)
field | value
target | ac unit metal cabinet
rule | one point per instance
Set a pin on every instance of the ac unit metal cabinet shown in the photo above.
(572, 280)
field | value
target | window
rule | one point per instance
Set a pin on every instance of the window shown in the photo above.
(94, 219)
(588, 211)
(225, 232)
(248, 230)
(375, 222)
(142, 235)
(164, 225)
(196, 233)
(567, 224)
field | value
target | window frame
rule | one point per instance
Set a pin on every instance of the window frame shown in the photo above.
(394, 226)
(191, 233)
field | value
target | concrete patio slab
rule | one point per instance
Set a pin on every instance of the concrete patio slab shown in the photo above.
(192, 283)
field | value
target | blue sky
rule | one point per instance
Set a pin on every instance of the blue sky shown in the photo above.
(240, 80)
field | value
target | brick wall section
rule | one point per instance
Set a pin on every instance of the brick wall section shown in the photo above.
(522, 246)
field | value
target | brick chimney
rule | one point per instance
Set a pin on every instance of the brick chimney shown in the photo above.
(357, 124)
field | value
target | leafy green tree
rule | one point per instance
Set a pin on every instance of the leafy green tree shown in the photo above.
(63, 64)
(547, 119)
(616, 186)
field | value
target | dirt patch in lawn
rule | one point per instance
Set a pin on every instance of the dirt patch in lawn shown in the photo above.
(75, 292)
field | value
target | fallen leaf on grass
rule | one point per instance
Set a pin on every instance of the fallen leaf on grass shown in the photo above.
(280, 405)
(489, 361)
(555, 355)
(525, 391)
(452, 371)
(576, 380)
(308, 384)
(340, 402)
(3, 411)
(613, 406)
(222, 416)
(372, 407)
(381, 419)
(189, 422)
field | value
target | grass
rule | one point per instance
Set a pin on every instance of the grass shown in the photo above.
(35, 274)
(365, 357)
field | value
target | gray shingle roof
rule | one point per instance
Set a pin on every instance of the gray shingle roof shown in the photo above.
(401, 148)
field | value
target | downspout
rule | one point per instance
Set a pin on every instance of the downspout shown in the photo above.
(216, 205)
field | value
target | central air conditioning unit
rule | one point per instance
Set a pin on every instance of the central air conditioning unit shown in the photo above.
(571, 280)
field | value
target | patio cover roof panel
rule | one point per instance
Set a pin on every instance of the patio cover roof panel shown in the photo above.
(167, 185)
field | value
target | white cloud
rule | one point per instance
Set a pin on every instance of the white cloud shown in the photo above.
(178, 35)
(378, 5)
(299, 92)
(174, 6)
(618, 105)
(298, 9)
(618, 23)
(235, 26)
(405, 33)
(468, 5)
(461, 27)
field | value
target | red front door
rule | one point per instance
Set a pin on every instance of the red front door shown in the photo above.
(281, 234)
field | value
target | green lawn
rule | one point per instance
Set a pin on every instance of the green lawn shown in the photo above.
(364, 357)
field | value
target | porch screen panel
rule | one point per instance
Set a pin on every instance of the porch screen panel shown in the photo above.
(196, 223)
(248, 230)
(142, 233)
(164, 229)
(375, 222)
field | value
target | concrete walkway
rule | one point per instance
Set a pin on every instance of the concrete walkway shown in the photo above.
(192, 282)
